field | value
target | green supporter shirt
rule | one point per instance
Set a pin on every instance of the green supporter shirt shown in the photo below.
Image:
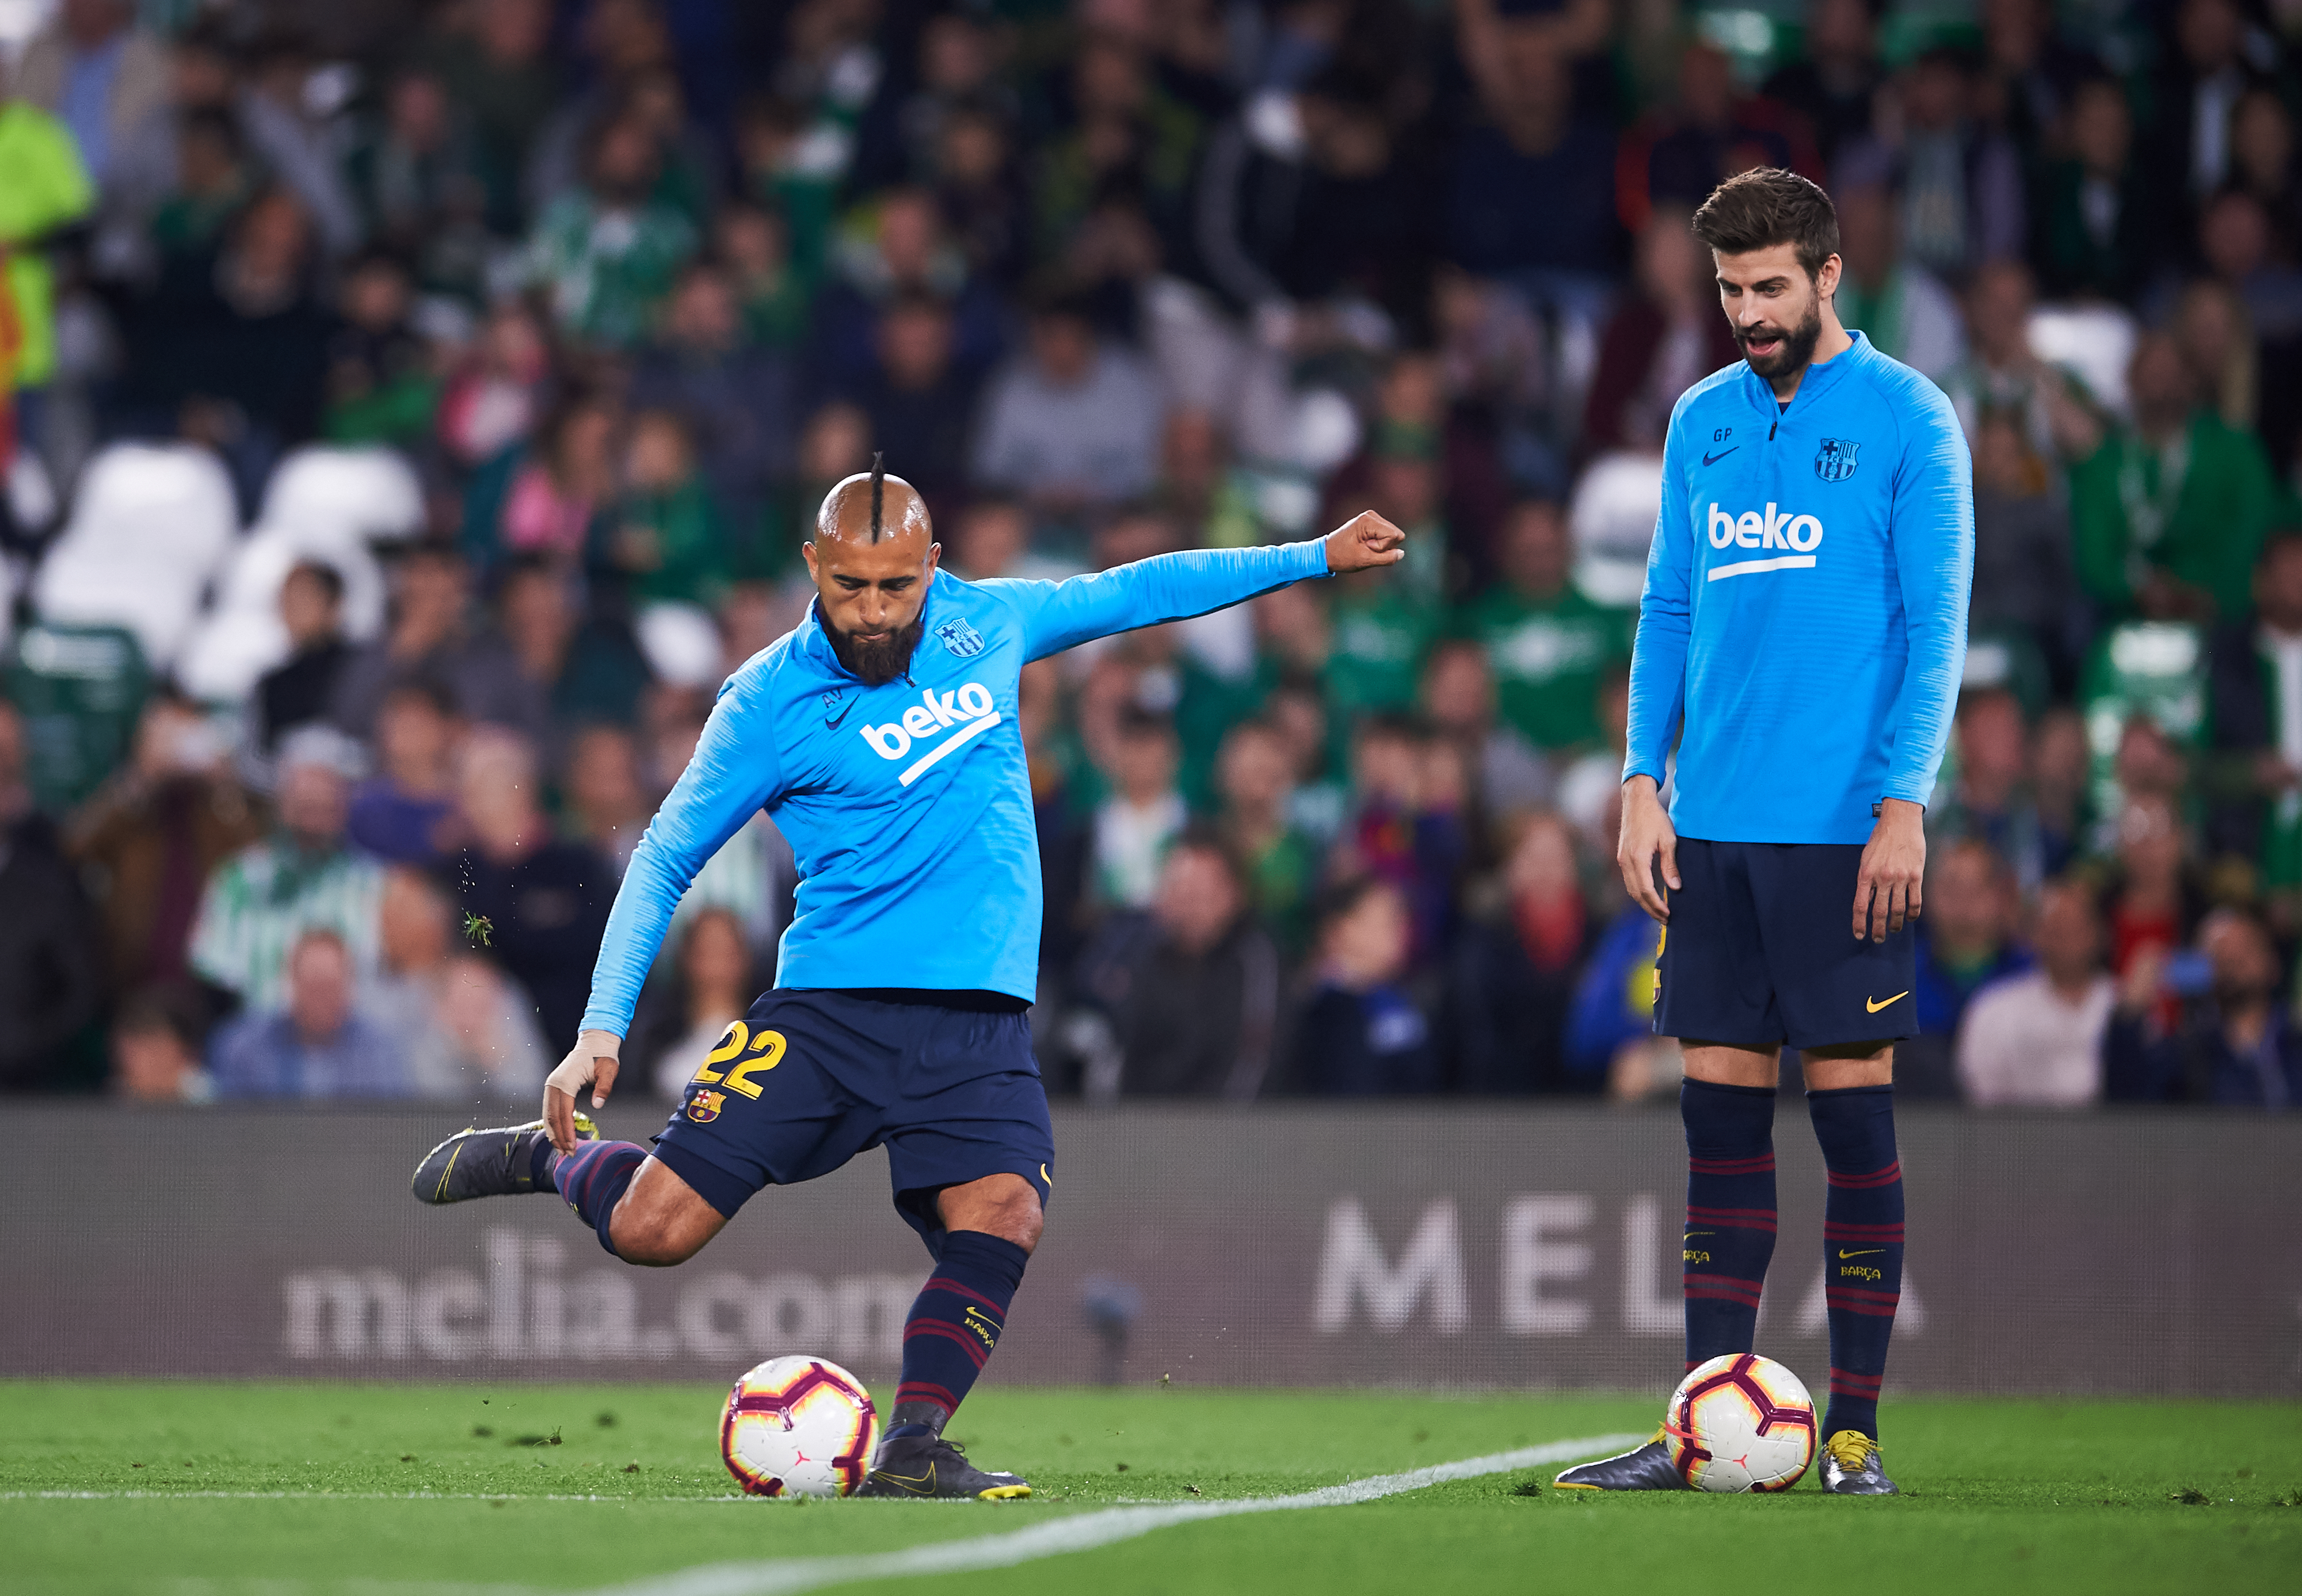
(2197, 510)
(1550, 657)
(674, 545)
(1381, 636)
(607, 268)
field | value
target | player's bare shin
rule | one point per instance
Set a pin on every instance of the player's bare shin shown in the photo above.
(1890, 889)
(1647, 834)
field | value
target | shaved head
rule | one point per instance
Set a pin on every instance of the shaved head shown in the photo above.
(873, 557)
(869, 506)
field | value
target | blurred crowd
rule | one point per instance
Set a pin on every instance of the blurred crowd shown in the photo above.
(411, 413)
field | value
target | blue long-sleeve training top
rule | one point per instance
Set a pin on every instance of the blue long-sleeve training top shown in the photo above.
(1805, 605)
(907, 806)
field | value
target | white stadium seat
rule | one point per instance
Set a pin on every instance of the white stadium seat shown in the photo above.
(150, 527)
(2093, 342)
(682, 644)
(1612, 522)
(366, 493)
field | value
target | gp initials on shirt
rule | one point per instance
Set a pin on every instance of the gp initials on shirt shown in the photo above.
(968, 707)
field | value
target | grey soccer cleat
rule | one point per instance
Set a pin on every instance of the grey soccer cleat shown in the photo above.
(1851, 1468)
(496, 1162)
(926, 1465)
(1642, 1468)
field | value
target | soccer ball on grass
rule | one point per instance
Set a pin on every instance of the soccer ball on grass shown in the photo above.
(1741, 1423)
(799, 1426)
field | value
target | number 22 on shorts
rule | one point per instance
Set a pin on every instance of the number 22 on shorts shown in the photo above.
(765, 1051)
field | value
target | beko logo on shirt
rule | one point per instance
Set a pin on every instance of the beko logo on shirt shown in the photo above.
(967, 707)
(1799, 534)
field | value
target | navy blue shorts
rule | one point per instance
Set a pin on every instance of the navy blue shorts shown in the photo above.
(1761, 949)
(808, 1080)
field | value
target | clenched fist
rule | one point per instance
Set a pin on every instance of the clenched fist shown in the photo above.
(1363, 542)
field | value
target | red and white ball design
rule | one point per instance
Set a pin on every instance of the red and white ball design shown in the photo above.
(1741, 1423)
(799, 1426)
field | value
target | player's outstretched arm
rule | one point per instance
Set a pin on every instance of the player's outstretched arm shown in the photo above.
(1647, 836)
(1170, 587)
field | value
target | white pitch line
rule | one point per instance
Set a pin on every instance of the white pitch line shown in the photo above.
(1082, 1533)
(345, 1496)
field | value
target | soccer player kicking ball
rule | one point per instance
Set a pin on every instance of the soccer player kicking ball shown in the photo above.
(1805, 617)
(882, 735)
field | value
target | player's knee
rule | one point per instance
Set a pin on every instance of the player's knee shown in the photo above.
(653, 1240)
(1005, 1206)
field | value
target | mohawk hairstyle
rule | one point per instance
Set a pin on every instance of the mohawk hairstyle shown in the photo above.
(878, 490)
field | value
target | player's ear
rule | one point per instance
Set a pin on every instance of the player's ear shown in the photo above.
(1825, 280)
(935, 558)
(807, 552)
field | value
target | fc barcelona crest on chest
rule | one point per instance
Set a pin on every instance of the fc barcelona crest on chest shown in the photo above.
(1834, 461)
(963, 640)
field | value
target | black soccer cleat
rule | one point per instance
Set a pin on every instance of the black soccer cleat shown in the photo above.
(496, 1163)
(1642, 1468)
(1851, 1468)
(926, 1465)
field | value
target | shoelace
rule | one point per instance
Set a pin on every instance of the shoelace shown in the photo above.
(1851, 1450)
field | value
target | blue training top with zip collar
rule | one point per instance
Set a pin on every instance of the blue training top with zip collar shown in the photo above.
(1805, 606)
(908, 805)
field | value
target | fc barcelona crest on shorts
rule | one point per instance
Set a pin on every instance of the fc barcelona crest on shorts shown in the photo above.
(1835, 463)
(963, 640)
(704, 1107)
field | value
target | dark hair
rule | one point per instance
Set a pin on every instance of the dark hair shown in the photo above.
(1341, 899)
(2280, 539)
(208, 121)
(1765, 206)
(331, 580)
(425, 689)
(1201, 837)
(1136, 721)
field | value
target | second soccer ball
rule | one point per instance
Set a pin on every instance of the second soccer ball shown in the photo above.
(1741, 1423)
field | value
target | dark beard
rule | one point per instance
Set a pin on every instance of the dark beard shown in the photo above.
(875, 664)
(1798, 348)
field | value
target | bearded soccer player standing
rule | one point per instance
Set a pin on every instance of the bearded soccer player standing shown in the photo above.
(1805, 619)
(882, 737)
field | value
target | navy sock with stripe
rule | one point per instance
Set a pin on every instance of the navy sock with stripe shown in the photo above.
(1861, 1246)
(593, 1179)
(954, 1324)
(1730, 1212)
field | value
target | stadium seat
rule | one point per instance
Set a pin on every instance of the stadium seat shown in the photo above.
(368, 493)
(2093, 342)
(1612, 520)
(152, 524)
(242, 637)
(2156, 670)
(682, 644)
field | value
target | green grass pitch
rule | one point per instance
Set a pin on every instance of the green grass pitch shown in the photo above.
(219, 1488)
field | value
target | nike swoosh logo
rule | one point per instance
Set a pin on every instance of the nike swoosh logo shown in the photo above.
(1690, 1235)
(831, 722)
(1722, 454)
(1865, 1252)
(1875, 1007)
